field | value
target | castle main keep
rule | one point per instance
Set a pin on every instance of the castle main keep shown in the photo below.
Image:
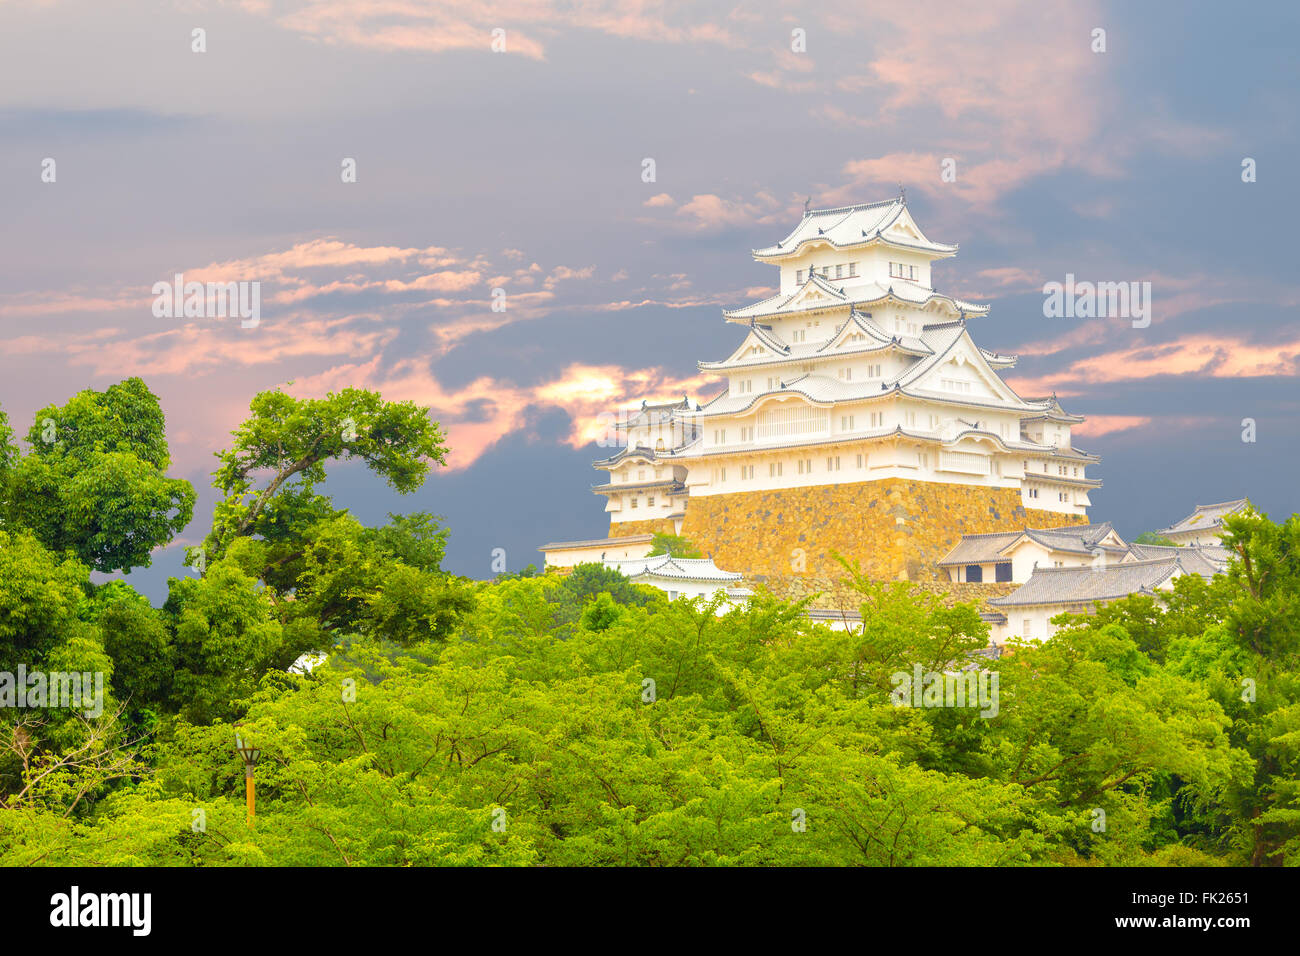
(857, 416)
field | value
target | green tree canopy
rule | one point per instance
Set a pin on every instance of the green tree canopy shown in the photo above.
(674, 544)
(94, 481)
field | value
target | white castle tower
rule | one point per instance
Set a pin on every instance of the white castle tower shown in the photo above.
(857, 416)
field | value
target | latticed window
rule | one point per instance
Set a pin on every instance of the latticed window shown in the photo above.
(786, 422)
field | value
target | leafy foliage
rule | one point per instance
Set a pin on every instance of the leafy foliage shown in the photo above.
(1151, 537)
(580, 719)
(674, 544)
(94, 483)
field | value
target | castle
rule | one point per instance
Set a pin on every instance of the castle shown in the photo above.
(858, 417)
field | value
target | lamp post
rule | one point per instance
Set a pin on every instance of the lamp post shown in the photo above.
(249, 754)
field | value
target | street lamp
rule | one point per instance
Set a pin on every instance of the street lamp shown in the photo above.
(249, 754)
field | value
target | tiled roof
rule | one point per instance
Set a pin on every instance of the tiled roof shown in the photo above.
(848, 226)
(649, 454)
(1085, 585)
(936, 340)
(1052, 411)
(666, 566)
(842, 293)
(672, 485)
(860, 436)
(654, 414)
(985, 548)
(640, 451)
(1215, 553)
(1201, 560)
(1206, 517)
(978, 548)
(597, 542)
(877, 341)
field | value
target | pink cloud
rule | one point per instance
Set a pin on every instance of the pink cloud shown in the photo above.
(1106, 424)
(477, 415)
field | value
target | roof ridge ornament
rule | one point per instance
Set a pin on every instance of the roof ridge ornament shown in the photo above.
(807, 205)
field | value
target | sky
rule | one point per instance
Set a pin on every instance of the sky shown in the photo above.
(523, 169)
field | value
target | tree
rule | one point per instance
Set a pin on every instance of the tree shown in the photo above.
(673, 544)
(1151, 537)
(39, 595)
(289, 441)
(94, 482)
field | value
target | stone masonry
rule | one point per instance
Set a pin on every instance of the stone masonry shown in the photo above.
(896, 528)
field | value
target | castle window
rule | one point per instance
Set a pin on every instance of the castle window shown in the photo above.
(634, 501)
(839, 272)
(798, 277)
(792, 421)
(974, 574)
(1002, 571)
(650, 501)
(853, 269)
(861, 460)
(832, 464)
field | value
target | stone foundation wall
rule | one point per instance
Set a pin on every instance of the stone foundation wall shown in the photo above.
(896, 528)
(621, 529)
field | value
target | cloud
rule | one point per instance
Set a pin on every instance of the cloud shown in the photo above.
(486, 410)
(707, 212)
(1106, 424)
(430, 26)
